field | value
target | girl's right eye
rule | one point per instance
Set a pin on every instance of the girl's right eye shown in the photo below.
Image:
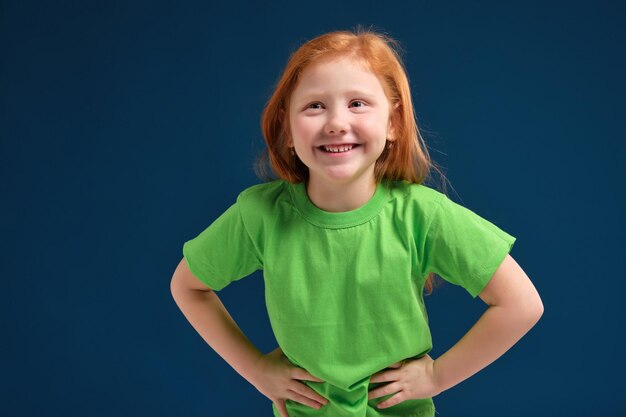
(313, 104)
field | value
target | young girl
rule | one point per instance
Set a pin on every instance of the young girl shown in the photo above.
(348, 237)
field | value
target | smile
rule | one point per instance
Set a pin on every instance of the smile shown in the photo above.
(338, 149)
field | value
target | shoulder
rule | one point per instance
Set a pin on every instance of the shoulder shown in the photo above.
(263, 198)
(419, 199)
(264, 192)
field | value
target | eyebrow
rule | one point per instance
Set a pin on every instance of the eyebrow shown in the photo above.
(362, 93)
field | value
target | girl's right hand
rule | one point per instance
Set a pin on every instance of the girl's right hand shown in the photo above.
(278, 380)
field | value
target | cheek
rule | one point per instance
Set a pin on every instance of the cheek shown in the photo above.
(303, 129)
(375, 127)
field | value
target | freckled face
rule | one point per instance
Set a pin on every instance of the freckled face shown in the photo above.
(339, 102)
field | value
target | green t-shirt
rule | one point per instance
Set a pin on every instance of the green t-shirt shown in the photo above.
(344, 290)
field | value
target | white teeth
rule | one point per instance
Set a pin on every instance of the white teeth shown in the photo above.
(339, 149)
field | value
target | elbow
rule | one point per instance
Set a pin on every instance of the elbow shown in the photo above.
(535, 311)
(527, 311)
(539, 310)
(175, 285)
(531, 305)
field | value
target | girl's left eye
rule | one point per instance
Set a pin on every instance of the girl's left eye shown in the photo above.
(358, 101)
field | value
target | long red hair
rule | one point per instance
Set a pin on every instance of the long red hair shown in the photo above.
(408, 159)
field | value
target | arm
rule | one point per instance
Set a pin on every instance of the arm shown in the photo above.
(272, 374)
(208, 316)
(514, 308)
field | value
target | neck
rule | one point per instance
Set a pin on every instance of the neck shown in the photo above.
(340, 197)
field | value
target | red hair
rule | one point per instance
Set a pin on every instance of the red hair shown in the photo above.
(408, 159)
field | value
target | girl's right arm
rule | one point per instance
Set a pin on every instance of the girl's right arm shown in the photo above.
(272, 374)
(208, 316)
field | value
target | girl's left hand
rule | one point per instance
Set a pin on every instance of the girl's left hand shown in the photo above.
(410, 379)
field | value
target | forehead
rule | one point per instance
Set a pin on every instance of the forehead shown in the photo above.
(337, 75)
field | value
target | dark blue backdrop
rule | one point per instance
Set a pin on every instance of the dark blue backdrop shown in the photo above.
(127, 127)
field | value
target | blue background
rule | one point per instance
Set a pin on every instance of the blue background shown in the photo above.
(127, 127)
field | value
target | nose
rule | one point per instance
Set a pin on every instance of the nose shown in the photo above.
(337, 123)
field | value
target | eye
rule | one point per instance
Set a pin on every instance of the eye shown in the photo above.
(358, 101)
(313, 104)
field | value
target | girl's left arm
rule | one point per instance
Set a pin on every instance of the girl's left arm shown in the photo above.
(514, 308)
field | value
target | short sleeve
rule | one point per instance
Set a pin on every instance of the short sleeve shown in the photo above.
(224, 252)
(464, 248)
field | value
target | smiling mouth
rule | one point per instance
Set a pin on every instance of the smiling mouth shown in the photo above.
(338, 149)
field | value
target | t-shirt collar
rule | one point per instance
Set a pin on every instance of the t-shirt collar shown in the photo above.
(336, 220)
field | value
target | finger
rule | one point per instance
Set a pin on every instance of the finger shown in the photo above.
(302, 374)
(392, 366)
(396, 365)
(390, 402)
(384, 376)
(302, 389)
(304, 400)
(384, 390)
(282, 409)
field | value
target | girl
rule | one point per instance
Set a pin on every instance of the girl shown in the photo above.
(348, 237)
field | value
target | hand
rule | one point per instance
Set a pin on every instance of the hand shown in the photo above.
(411, 379)
(277, 379)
